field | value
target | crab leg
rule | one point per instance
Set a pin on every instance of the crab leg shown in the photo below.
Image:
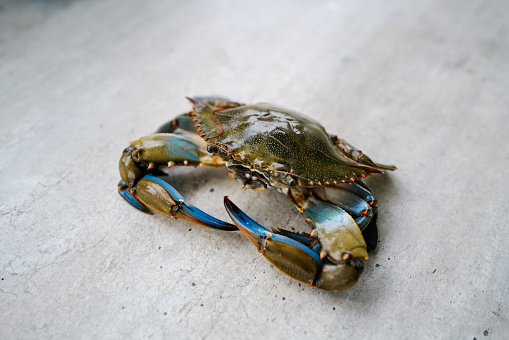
(358, 208)
(361, 194)
(147, 192)
(160, 196)
(370, 232)
(131, 198)
(182, 121)
(335, 263)
(359, 189)
(293, 258)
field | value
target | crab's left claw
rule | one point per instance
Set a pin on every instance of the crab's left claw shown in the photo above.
(156, 194)
(287, 254)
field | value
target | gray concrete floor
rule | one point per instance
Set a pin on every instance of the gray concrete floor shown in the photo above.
(423, 85)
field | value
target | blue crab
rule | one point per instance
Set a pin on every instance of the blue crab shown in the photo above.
(266, 146)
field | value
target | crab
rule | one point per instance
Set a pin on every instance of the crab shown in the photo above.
(266, 146)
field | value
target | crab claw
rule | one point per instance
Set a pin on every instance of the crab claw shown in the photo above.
(332, 257)
(286, 254)
(123, 190)
(341, 241)
(156, 194)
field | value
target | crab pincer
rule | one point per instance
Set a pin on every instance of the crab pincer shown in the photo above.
(162, 197)
(333, 259)
(292, 257)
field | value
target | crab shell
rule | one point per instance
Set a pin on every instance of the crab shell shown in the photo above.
(284, 147)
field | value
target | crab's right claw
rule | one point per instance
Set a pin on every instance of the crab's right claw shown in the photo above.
(156, 194)
(293, 258)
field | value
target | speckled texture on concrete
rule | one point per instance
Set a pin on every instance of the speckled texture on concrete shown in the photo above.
(423, 85)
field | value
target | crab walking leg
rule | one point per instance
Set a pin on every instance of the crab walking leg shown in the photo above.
(147, 192)
(358, 208)
(359, 189)
(183, 121)
(370, 232)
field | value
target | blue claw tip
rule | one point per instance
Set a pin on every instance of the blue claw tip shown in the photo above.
(248, 224)
(239, 217)
(123, 190)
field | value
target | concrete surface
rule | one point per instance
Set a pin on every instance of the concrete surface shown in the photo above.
(423, 85)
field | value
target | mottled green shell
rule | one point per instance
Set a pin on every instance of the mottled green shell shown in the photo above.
(277, 138)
